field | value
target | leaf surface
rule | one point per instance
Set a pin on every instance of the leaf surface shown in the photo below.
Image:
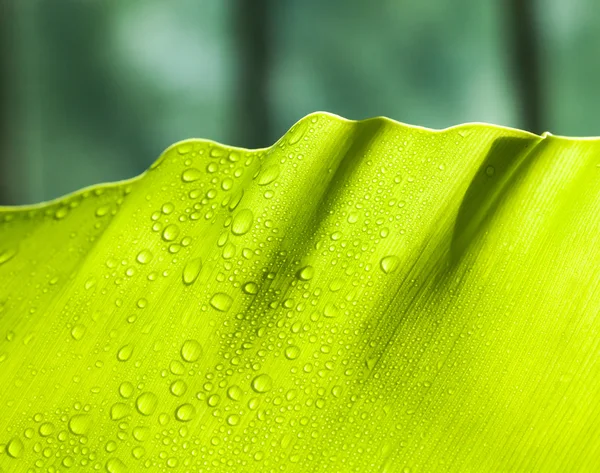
(361, 296)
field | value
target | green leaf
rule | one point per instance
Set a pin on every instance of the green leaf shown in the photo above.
(361, 296)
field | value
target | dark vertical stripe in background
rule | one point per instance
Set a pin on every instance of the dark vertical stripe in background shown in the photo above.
(252, 26)
(526, 61)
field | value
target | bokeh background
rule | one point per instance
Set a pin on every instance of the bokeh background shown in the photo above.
(95, 90)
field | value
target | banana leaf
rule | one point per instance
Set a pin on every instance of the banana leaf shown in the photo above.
(362, 296)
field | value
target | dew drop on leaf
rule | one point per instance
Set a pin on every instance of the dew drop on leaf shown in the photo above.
(191, 351)
(15, 447)
(125, 352)
(233, 419)
(306, 273)
(234, 393)
(389, 264)
(178, 388)
(221, 301)
(242, 222)
(170, 232)
(250, 288)
(191, 271)
(141, 433)
(80, 424)
(185, 412)
(191, 175)
(144, 257)
(46, 429)
(115, 465)
(292, 352)
(78, 331)
(262, 383)
(126, 390)
(146, 403)
(331, 310)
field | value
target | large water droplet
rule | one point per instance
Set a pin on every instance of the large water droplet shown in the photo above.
(191, 271)
(115, 465)
(191, 175)
(171, 232)
(262, 383)
(191, 351)
(185, 413)
(234, 393)
(80, 424)
(389, 264)
(77, 332)
(126, 389)
(46, 429)
(15, 447)
(125, 352)
(306, 273)
(221, 301)
(146, 403)
(178, 388)
(242, 222)
(250, 288)
(144, 257)
(292, 352)
(331, 310)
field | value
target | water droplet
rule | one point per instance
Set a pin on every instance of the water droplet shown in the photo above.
(80, 424)
(213, 400)
(171, 232)
(141, 433)
(126, 389)
(102, 210)
(292, 352)
(61, 212)
(46, 429)
(233, 419)
(191, 175)
(185, 413)
(262, 383)
(144, 257)
(125, 352)
(389, 264)
(234, 393)
(191, 271)
(191, 351)
(68, 461)
(242, 222)
(178, 388)
(77, 332)
(306, 273)
(221, 301)
(115, 465)
(118, 411)
(227, 184)
(268, 174)
(250, 288)
(146, 403)
(331, 310)
(15, 447)
(6, 255)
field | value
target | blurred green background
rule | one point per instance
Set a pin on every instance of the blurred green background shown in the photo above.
(95, 90)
